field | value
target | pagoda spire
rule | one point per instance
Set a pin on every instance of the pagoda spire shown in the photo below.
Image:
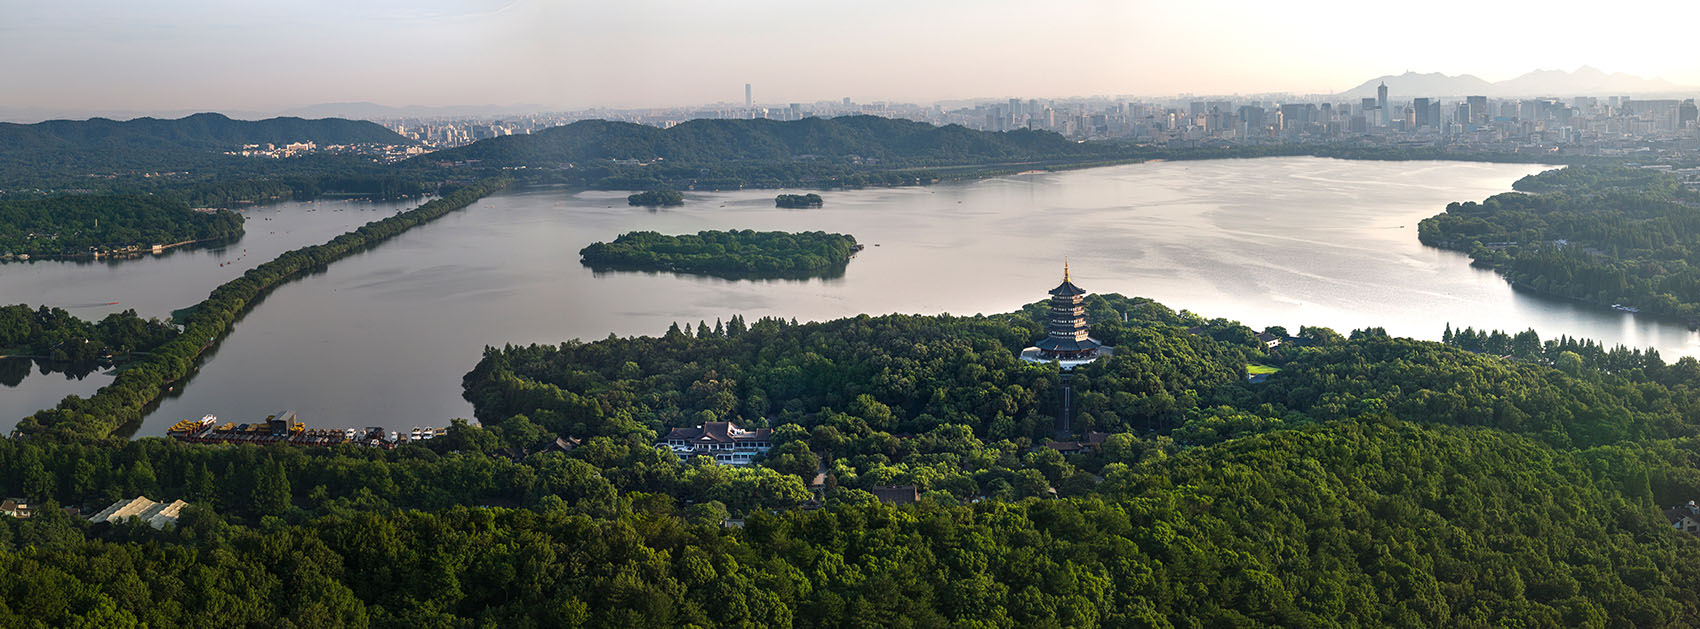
(1065, 268)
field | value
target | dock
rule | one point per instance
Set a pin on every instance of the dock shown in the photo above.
(283, 428)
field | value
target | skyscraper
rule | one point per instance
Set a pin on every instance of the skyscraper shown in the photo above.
(747, 102)
(1381, 104)
(1420, 108)
(1478, 109)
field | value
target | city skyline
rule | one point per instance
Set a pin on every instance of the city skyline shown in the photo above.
(215, 56)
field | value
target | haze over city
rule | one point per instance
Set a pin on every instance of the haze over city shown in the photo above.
(264, 57)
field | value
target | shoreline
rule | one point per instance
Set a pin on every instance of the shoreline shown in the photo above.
(121, 254)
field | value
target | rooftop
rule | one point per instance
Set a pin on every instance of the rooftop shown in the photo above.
(717, 432)
(154, 514)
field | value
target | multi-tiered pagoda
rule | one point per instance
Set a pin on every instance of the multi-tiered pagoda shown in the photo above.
(1066, 340)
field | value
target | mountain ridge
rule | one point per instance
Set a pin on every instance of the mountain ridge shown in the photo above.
(1584, 81)
(187, 143)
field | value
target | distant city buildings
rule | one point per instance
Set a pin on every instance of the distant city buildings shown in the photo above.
(1466, 124)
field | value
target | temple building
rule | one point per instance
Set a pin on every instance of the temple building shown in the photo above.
(725, 442)
(1066, 340)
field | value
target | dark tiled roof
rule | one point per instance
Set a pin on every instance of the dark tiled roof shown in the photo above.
(1067, 289)
(1092, 440)
(1053, 344)
(717, 432)
(897, 494)
(1677, 513)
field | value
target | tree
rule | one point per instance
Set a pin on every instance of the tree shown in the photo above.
(271, 490)
(32, 478)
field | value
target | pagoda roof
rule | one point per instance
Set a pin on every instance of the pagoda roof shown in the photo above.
(1053, 344)
(1067, 289)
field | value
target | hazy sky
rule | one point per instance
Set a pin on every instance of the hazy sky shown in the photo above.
(239, 54)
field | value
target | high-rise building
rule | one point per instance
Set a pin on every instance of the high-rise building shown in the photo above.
(1381, 104)
(1478, 109)
(1419, 107)
(1294, 117)
(747, 102)
(1251, 121)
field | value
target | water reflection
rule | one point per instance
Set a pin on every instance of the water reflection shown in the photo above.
(155, 285)
(383, 337)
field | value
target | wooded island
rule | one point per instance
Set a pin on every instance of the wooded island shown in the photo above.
(737, 253)
(798, 201)
(656, 198)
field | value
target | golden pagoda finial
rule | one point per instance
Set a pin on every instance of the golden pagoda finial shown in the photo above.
(1065, 268)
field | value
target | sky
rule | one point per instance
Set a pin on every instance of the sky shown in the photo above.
(143, 55)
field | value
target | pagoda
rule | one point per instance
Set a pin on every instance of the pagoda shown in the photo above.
(1066, 341)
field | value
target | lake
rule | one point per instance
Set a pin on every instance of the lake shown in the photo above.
(383, 337)
(156, 285)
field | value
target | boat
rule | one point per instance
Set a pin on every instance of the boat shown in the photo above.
(1623, 308)
(190, 426)
(281, 428)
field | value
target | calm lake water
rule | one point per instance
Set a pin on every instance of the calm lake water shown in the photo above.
(156, 285)
(383, 337)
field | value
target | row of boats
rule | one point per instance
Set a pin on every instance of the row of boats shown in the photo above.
(283, 428)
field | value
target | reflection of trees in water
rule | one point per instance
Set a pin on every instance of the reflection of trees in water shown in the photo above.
(13, 370)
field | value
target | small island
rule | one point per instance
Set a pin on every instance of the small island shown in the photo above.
(657, 198)
(798, 201)
(737, 254)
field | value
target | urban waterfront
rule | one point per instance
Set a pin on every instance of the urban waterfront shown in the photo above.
(383, 337)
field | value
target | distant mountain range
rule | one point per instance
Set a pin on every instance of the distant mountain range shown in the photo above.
(1585, 81)
(352, 111)
(148, 143)
(374, 111)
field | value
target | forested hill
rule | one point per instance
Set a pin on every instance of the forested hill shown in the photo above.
(1600, 234)
(206, 131)
(835, 139)
(99, 144)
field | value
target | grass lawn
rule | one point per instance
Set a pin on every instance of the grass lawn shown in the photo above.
(1257, 370)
